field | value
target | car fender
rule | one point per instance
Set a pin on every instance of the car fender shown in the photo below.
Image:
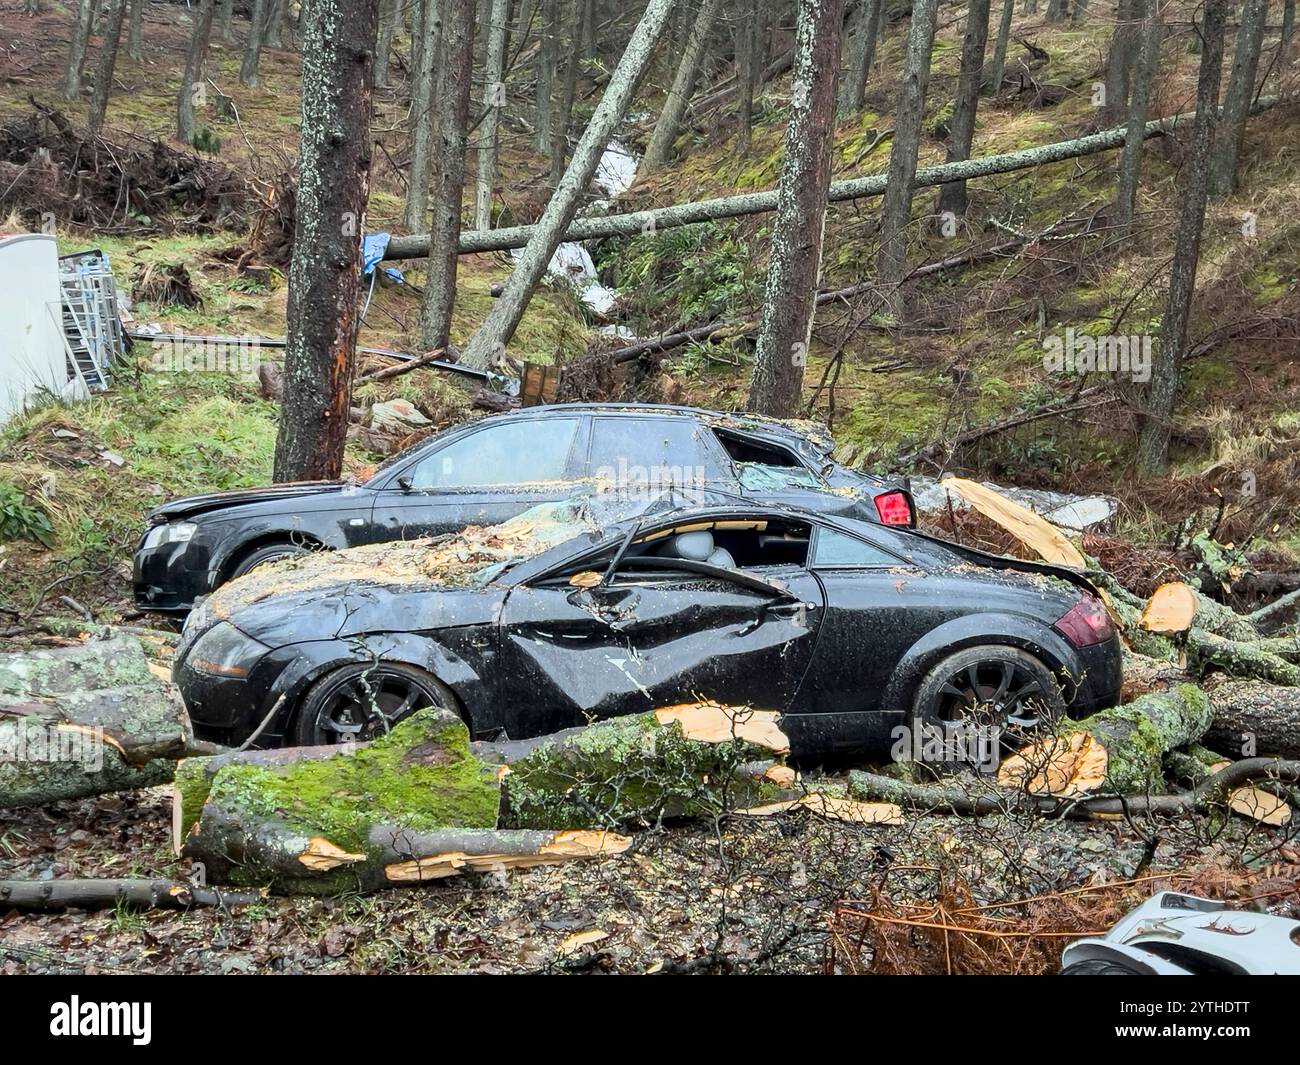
(313, 660)
(1142, 962)
(264, 531)
(969, 630)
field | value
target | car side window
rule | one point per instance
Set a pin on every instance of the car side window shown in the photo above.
(651, 452)
(520, 452)
(833, 548)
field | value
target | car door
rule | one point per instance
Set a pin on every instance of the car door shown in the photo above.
(482, 477)
(650, 638)
(878, 605)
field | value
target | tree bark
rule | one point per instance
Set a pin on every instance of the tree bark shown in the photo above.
(276, 13)
(548, 62)
(866, 34)
(192, 80)
(325, 272)
(1162, 394)
(896, 212)
(85, 720)
(1119, 60)
(1231, 131)
(102, 87)
(472, 242)
(455, 71)
(569, 92)
(423, 111)
(225, 20)
(51, 896)
(747, 65)
(952, 197)
(1288, 22)
(135, 31)
(1056, 10)
(493, 100)
(794, 265)
(77, 51)
(998, 65)
(1130, 162)
(1253, 717)
(489, 342)
(253, 47)
(669, 123)
(389, 11)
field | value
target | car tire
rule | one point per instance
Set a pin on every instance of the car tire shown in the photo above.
(349, 695)
(1097, 967)
(1019, 692)
(267, 553)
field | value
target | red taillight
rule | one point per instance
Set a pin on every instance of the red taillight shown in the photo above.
(1086, 623)
(894, 509)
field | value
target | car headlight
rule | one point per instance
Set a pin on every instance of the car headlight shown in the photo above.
(178, 532)
(224, 651)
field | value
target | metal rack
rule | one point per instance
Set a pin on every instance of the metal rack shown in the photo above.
(92, 331)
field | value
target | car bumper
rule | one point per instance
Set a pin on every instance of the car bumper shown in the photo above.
(1098, 675)
(170, 576)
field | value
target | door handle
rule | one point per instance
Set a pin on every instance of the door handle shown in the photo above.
(790, 608)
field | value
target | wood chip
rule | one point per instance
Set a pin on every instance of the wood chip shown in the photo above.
(1036, 533)
(1062, 765)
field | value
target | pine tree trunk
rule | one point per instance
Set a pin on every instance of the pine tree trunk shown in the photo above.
(31, 7)
(77, 51)
(253, 48)
(273, 31)
(1056, 10)
(564, 114)
(135, 31)
(325, 272)
(1080, 11)
(866, 34)
(192, 80)
(1288, 23)
(388, 14)
(1130, 161)
(1119, 60)
(1231, 132)
(422, 117)
(455, 71)
(998, 65)
(102, 87)
(794, 265)
(489, 342)
(548, 61)
(746, 35)
(225, 19)
(896, 212)
(590, 26)
(679, 95)
(952, 197)
(1162, 394)
(494, 92)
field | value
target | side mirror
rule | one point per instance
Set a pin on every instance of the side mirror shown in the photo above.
(405, 483)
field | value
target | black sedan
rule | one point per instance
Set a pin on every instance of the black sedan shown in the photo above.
(489, 471)
(554, 618)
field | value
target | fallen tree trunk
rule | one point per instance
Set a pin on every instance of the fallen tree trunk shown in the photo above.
(1213, 793)
(86, 720)
(1253, 718)
(423, 803)
(416, 246)
(53, 895)
(1120, 750)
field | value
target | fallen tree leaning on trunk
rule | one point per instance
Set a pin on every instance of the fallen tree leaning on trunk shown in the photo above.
(86, 720)
(422, 802)
(416, 246)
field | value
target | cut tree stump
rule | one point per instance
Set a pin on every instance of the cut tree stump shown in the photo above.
(86, 720)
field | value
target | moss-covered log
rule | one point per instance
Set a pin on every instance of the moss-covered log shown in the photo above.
(85, 720)
(1253, 718)
(687, 761)
(422, 802)
(1117, 751)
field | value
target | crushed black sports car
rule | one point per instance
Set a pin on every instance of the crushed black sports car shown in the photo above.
(490, 470)
(558, 617)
